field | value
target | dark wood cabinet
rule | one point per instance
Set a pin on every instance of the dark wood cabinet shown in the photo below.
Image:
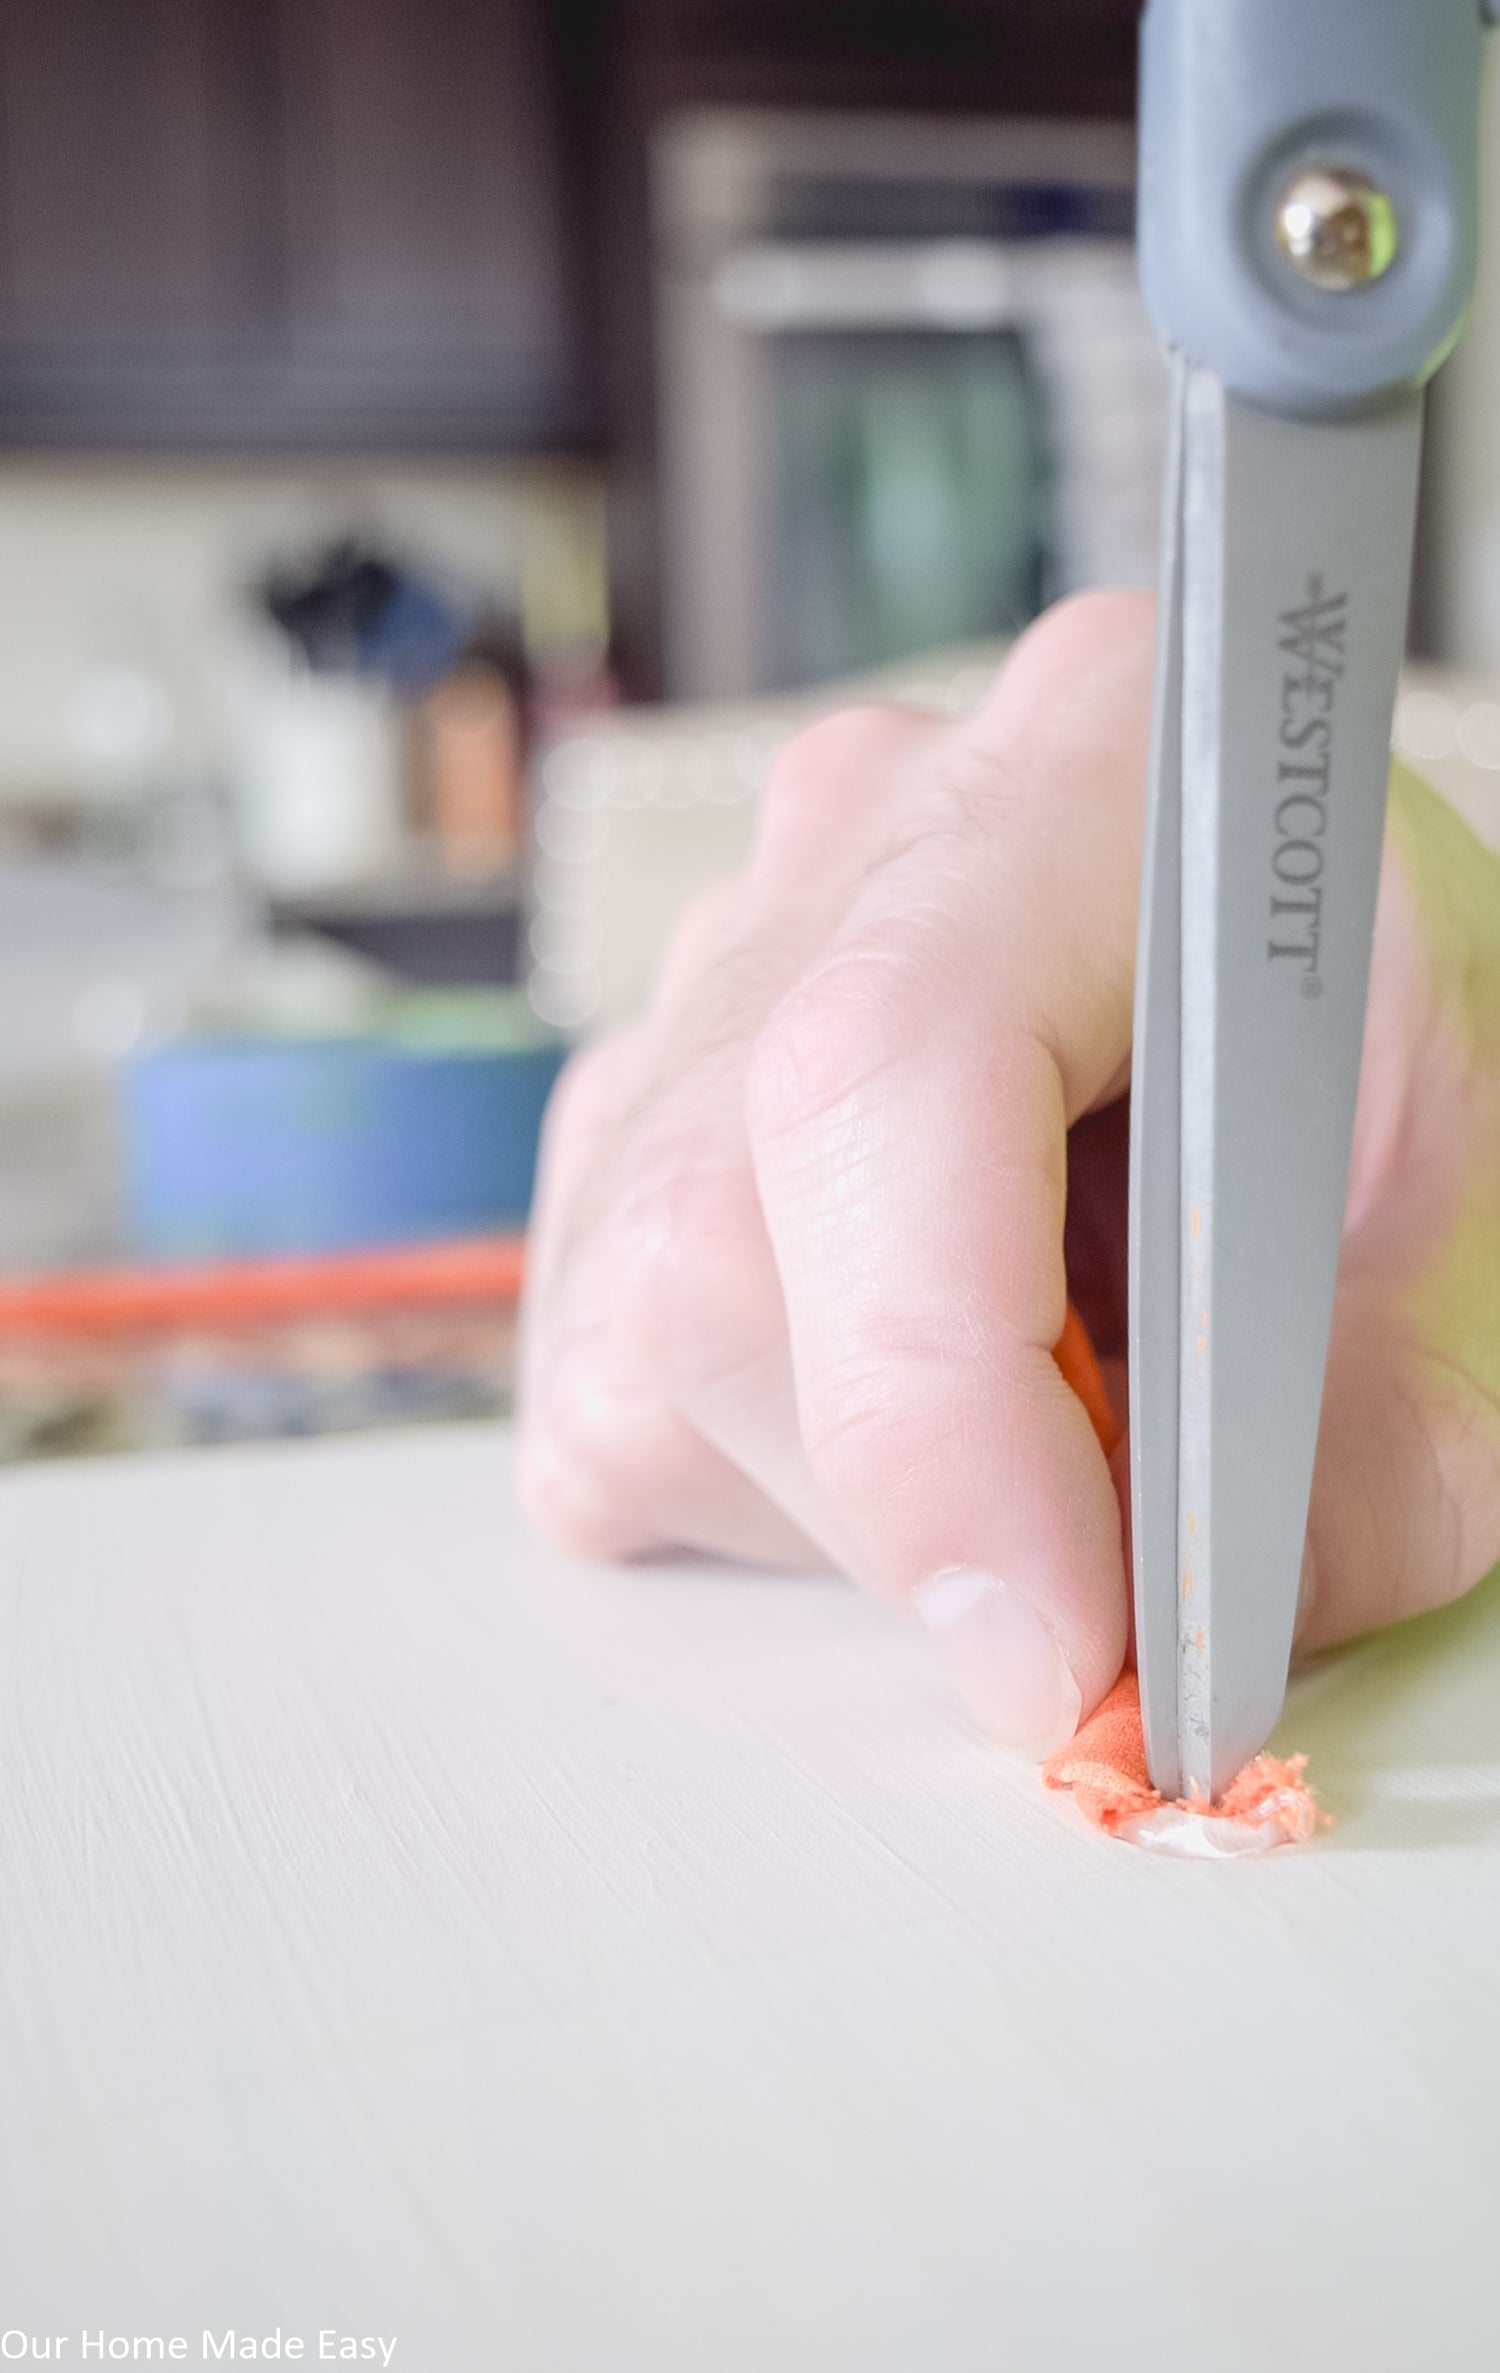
(286, 223)
(1008, 56)
(430, 278)
(108, 234)
(294, 225)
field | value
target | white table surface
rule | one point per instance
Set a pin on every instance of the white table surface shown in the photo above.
(403, 1933)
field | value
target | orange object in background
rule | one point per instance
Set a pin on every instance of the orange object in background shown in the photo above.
(471, 769)
(229, 1293)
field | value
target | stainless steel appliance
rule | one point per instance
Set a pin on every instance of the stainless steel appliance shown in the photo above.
(907, 390)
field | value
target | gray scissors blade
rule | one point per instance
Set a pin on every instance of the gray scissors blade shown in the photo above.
(1288, 557)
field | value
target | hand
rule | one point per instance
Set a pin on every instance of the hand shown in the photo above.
(804, 1237)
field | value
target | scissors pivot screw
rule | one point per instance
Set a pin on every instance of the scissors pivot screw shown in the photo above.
(1338, 227)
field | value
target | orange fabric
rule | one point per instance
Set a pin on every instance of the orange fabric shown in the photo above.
(1074, 1354)
(1105, 1764)
(1105, 1767)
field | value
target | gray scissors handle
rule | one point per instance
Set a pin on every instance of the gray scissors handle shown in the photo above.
(1239, 98)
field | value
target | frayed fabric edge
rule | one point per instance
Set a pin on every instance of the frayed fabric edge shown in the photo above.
(1271, 1803)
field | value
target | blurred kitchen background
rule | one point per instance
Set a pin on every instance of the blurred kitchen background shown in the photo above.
(445, 447)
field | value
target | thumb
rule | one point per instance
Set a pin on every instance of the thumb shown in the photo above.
(1406, 1489)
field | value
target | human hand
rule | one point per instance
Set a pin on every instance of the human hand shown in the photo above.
(804, 1237)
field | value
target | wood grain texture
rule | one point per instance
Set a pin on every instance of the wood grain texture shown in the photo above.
(289, 224)
(403, 1929)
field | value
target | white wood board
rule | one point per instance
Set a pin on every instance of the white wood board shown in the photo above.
(405, 1933)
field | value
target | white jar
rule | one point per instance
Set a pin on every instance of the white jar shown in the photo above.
(319, 783)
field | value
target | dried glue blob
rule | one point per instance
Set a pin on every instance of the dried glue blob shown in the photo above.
(1104, 1768)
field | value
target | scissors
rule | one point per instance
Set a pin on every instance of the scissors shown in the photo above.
(1308, 227)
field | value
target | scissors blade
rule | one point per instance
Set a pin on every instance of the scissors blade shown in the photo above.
(1289, 548)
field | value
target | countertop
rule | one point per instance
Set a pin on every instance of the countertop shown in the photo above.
(409, 1934)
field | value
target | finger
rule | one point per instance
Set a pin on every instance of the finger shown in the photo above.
(584, 1108)
(676, 1279)
(908, 1108)
(701, 1303)
(609, 1467)
(707, 926)
(833, 795)
(924, 1298)
(608, 1471)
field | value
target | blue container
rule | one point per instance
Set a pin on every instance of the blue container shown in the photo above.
(271, 1145)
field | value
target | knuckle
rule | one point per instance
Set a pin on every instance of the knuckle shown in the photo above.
(1086, 626)
(1105, 613)
(585, 1090)
(586, 1425)
(851, 1435)
(879, 1437)
(1075, 693)
(560, 1126)
(982, 794)
(706, 917)
(560, 1502)
(829, 1041)
(700, 935)
(823, 755)
(827, 775)
(580, 1082)
(693, 1300)
(590, 1457)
